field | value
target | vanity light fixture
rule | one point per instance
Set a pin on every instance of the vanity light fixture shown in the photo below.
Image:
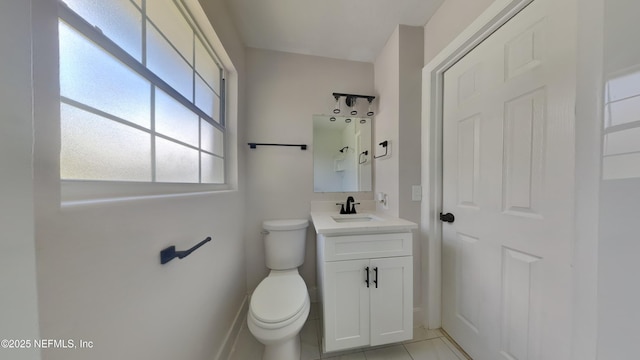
(351, 101)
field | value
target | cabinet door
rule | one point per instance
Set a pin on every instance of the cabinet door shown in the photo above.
(391, 299)
(346, 305)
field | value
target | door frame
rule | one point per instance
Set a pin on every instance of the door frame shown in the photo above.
(496, 15)
(589, 90)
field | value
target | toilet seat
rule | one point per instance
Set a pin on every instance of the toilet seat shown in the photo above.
(279, 300)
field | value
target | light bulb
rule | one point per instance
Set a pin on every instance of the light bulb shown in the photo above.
(336, 109)
(370, 110)
(354, 112)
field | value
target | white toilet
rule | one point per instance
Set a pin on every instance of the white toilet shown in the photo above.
(280, 304)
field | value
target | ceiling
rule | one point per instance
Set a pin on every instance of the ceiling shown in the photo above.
(343, 29)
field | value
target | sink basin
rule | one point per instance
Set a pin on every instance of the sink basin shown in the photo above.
(353, 218)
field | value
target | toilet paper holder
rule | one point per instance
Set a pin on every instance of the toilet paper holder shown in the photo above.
(170, 253)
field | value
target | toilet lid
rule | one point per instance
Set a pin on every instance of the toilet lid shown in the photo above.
(278, 298)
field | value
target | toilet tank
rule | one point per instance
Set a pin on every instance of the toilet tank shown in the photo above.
(284, 243)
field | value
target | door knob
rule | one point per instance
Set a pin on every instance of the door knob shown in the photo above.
(448, 217)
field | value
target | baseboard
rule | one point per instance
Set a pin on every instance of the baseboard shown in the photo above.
(234, 331)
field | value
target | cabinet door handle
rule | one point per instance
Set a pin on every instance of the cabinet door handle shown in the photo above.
(367, 271)
(375, 270)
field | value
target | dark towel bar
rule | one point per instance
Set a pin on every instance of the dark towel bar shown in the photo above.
(302, 146)
(384, 144)
(170, 253)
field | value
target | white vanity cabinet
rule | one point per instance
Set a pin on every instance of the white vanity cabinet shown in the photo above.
(365, 285)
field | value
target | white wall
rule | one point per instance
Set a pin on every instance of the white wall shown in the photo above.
(18, 297)
(398, 81)
(283, 92)
(386, 170)
(99, 275)
(450, 19)
(619, 245)
(409, 119)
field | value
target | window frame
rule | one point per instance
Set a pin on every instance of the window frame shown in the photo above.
(80, 190)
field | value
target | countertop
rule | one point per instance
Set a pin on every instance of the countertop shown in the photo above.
(324, 224)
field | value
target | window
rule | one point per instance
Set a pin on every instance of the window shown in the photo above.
(142, 94)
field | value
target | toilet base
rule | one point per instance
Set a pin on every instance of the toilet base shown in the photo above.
(287, 350)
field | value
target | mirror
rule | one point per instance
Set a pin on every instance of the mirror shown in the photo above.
(341, 153)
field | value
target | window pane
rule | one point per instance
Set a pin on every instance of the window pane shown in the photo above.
(207, 68)
(120, 124)
(93, 77)
(205, 99)
(166, 16)
(119, 20)
(212, 169)
(165, 62)
(218, 142)
(212, 139)
(95, 148)
(175, 120)
(175, 163)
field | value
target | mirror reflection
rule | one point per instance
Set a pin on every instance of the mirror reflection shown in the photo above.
(341, 153)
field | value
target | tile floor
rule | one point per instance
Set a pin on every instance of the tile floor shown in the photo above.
(425, 345)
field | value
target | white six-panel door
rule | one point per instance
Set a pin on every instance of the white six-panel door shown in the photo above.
(508, 175)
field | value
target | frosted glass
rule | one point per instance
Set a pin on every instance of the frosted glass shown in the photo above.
(175, 120)
(207, 68)
(206, 136)
(96, 148)
(622, 142)
(93, 77)
(175, 163)
(218, 142)
(212, 139)
(623, 111)
(216, 106)
(119, 20)
(212, 169)
(169, 20)
(205, 99)
(165, 62)
(625, 86)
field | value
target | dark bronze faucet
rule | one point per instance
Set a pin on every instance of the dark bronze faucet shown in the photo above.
(350, 206)
(351, 209)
